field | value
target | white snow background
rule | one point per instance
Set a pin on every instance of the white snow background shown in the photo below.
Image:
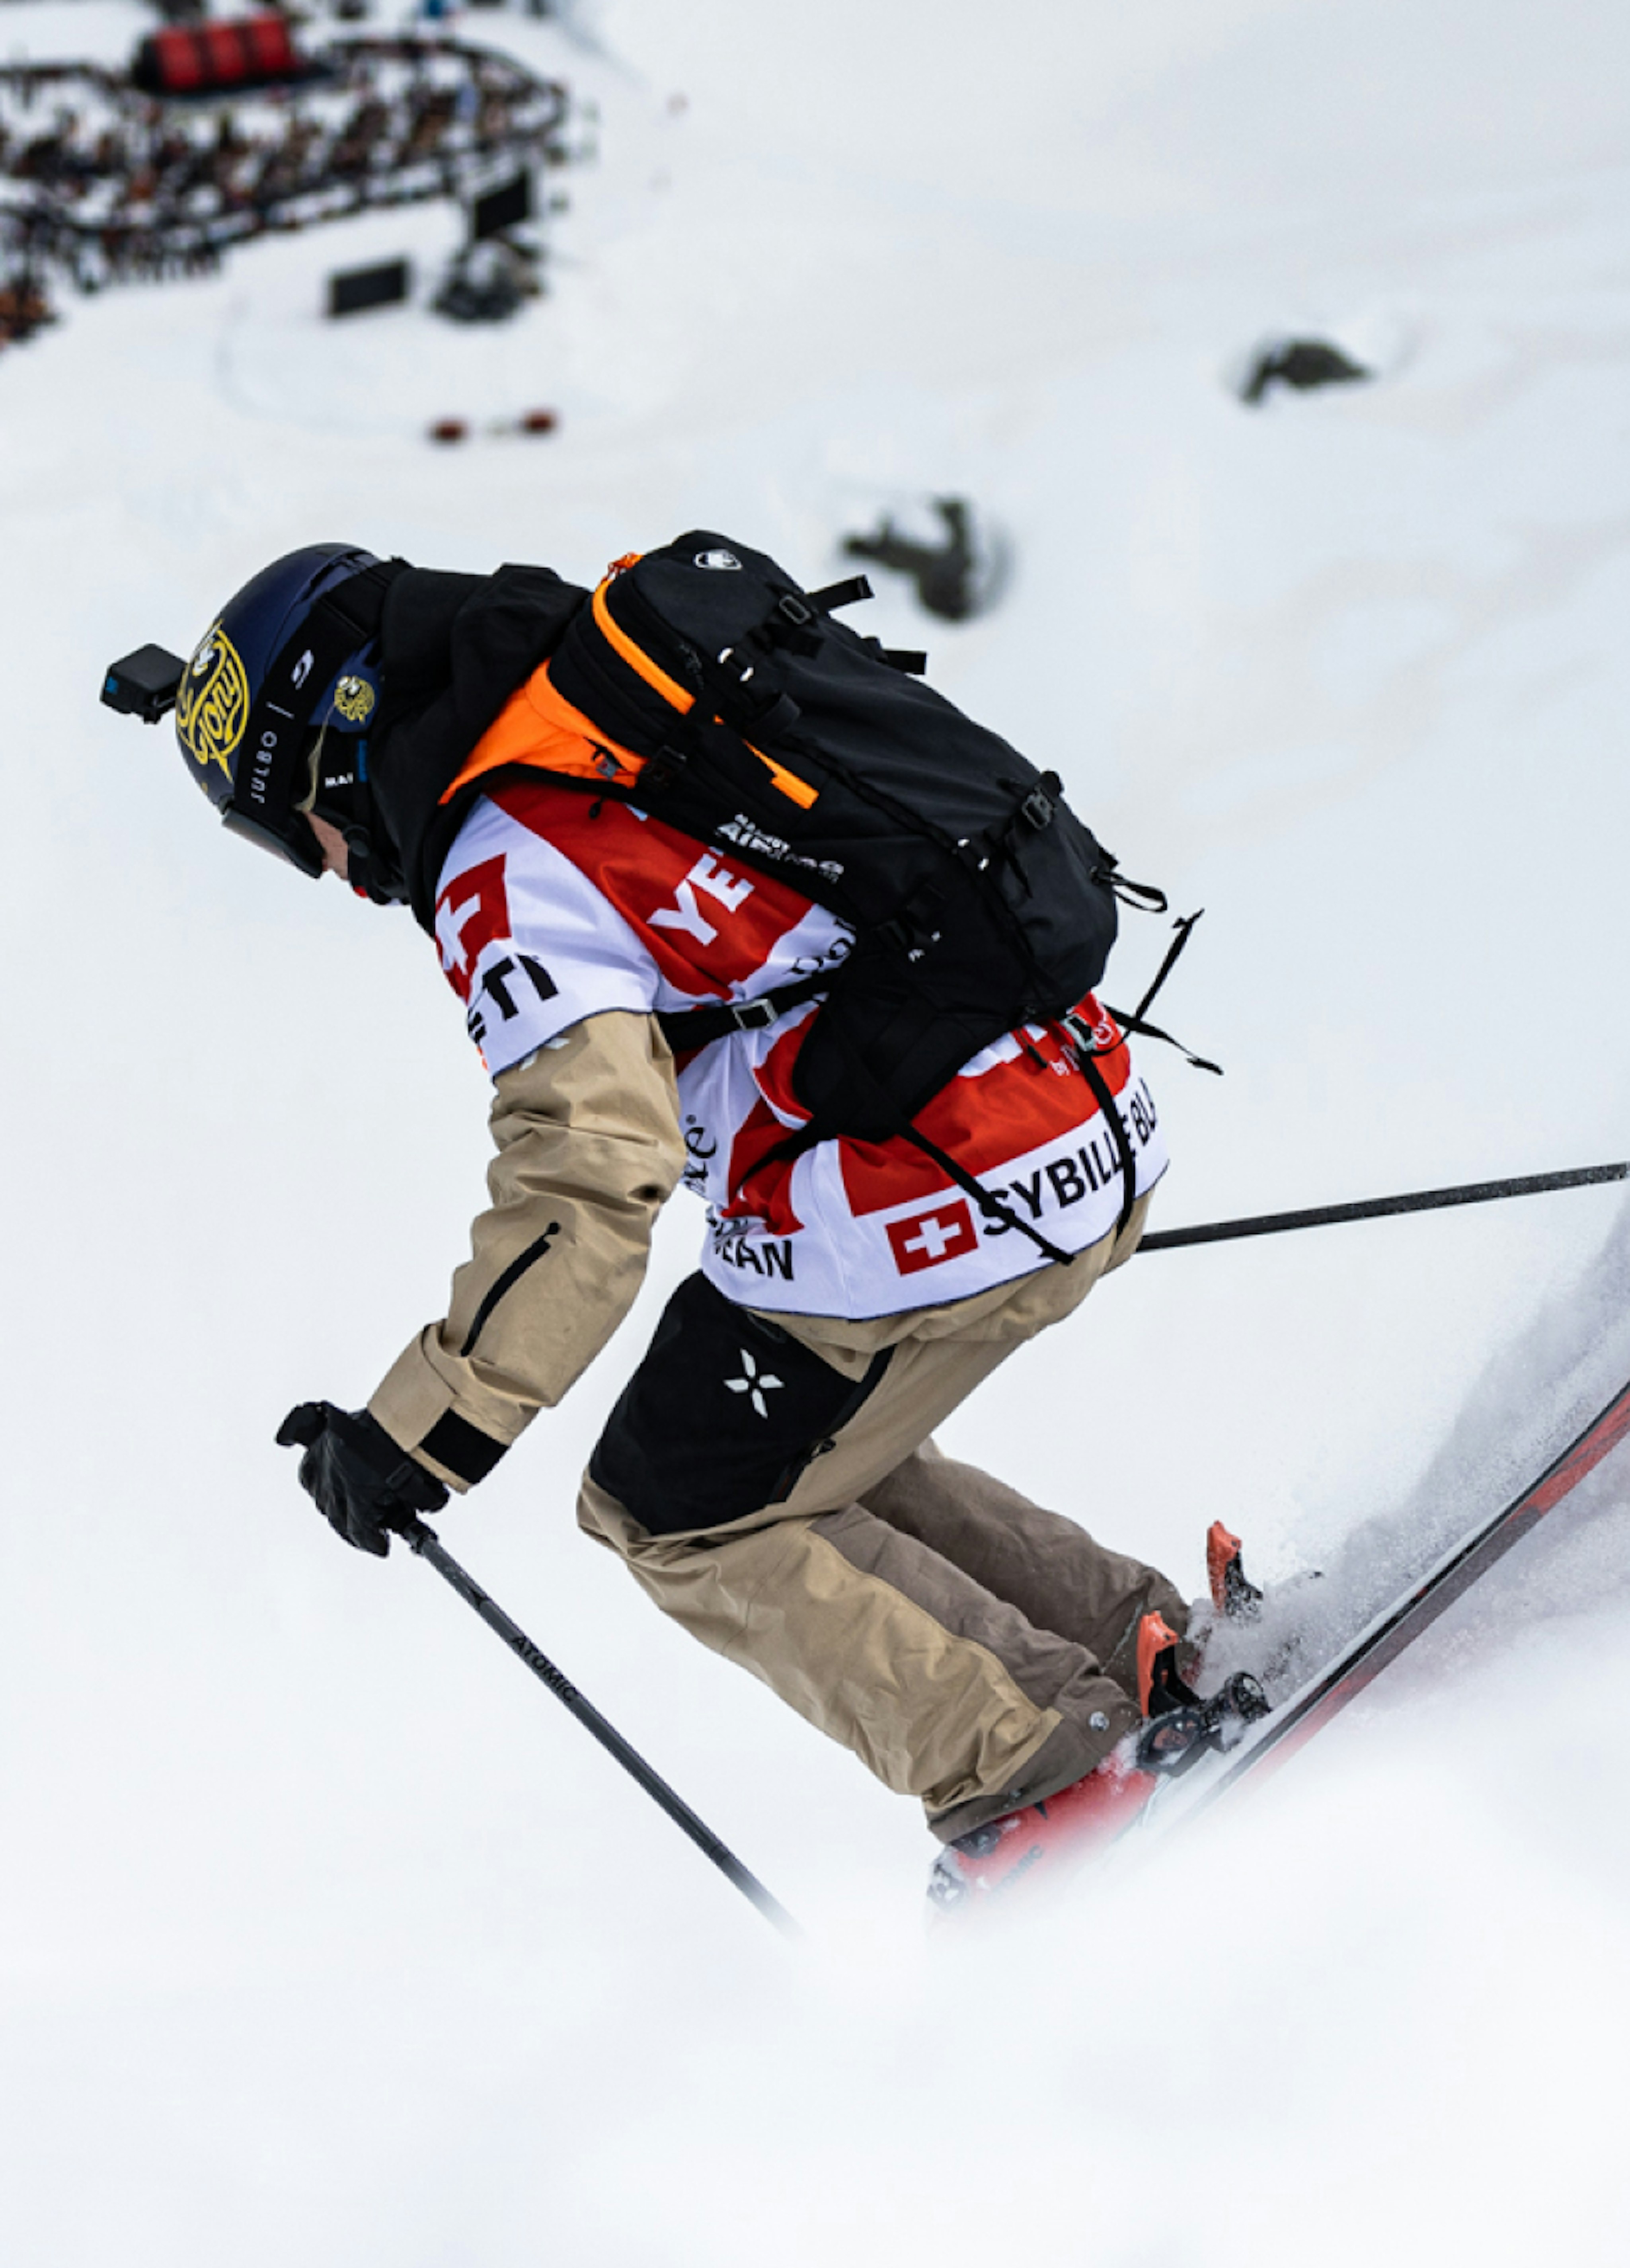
(325, 1935)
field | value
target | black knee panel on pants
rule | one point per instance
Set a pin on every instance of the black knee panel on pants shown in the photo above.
(721, 1416)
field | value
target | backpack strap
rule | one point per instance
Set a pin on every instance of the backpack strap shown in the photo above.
(911, 661)
(686, 1029)
(848, 592)
(1134, 1021)
(1086, 1056)
(820, 1128)
(991, 1205)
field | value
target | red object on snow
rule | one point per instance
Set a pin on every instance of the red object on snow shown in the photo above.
(530, 421)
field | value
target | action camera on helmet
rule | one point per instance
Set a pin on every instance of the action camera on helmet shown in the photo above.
(144, 684)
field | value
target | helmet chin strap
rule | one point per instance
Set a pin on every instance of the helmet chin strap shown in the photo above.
(341, 795)
(374, 877)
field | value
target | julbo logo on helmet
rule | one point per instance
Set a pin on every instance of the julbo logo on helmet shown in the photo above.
(212, 703)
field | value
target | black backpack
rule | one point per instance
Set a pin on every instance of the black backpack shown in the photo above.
(979, 900)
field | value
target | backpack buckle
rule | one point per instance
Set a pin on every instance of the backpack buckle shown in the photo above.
(752, 1015)
(664, 770)
(1037, 809)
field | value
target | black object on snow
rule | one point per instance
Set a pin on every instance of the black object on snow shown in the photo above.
(507, 206)
(944, 573)
(487, 283)
(353, 290)
(1303, 363)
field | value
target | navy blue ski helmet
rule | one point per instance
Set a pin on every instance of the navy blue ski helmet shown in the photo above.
(277, 668)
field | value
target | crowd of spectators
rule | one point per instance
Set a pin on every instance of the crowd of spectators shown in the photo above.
(100, 183)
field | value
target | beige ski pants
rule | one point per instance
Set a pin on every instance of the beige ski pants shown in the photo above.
(972, 1649)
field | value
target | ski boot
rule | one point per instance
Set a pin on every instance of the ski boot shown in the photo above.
(1090, 1814)
(1076, 1821)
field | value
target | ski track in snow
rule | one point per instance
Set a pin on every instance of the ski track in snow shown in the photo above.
(326, 1937)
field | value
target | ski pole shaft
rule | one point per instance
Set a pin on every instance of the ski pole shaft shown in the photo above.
(1270, 1224)
(424, 1541)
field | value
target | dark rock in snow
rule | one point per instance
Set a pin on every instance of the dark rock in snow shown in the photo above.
(1303, 363)
(950, 578)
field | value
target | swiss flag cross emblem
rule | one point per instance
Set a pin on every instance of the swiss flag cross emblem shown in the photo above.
(927, 1238)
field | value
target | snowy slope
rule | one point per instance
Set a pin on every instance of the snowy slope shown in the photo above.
(323, 1934)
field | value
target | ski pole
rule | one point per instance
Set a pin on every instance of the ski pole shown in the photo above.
(424, 1541)
(1270, 1224)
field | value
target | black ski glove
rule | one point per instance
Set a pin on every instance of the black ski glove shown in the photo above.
(364, 1483)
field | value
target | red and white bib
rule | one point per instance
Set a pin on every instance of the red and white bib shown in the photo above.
(553, 907)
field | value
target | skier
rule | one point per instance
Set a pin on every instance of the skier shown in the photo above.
(770, 1476)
